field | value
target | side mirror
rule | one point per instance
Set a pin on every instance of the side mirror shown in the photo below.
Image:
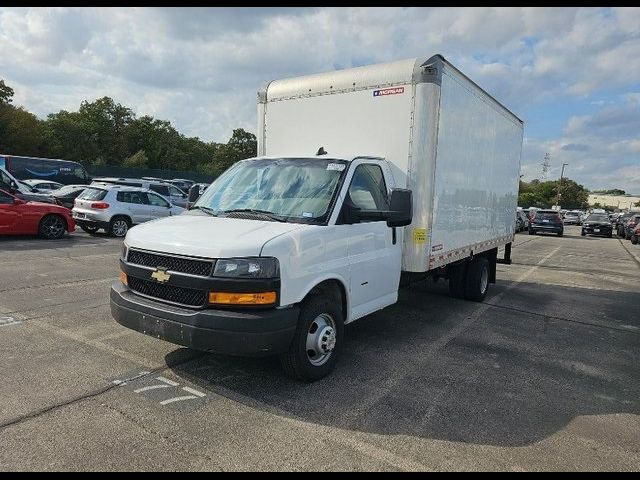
(194, 194)
(400, 208)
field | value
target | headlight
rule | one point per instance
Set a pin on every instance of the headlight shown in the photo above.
(258, 267)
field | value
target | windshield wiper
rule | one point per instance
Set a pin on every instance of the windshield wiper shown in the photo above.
(271, 215)
(207, 210)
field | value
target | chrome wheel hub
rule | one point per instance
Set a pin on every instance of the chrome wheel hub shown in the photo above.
(321, 339)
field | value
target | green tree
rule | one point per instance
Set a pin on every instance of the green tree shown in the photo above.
(138, 159)
(6, 92)
(544, 194)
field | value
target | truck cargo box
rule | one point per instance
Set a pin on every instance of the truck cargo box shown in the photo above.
(446, 139)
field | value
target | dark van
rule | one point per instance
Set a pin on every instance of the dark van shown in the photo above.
(61, 171)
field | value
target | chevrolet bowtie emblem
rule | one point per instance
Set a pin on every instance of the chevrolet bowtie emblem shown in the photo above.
(160, 275)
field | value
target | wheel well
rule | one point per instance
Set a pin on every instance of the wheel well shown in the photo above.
(126, 217)
(331, 288)
(64, 220)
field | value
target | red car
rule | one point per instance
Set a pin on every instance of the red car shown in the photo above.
(635, 235)
(18, 217)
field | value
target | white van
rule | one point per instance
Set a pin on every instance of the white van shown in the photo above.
(284, 249)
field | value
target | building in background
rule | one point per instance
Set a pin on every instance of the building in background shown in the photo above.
(620, 202)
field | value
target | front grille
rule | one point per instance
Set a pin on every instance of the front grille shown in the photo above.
(170, 293)
(175, 264)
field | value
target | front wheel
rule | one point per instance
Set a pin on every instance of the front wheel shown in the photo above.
(634, 239)
(560, 234)
(583, 234)
(532, 232)
(52, 227)
(317, 341)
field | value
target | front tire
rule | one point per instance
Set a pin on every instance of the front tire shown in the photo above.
(476, 282)
(317, 341)
(634, 239)
(583, 234)
(560, 234)
(52, 227)
(532, 232)
(119, 226)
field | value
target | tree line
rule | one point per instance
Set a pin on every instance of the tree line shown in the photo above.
(544, 194)
(103, 132)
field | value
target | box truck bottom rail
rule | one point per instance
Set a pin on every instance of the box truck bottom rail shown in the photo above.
(436, 261)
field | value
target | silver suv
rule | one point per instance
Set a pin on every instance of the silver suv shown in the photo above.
(116, 208)
(167, 190)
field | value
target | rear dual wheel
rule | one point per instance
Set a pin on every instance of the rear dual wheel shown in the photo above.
(470, 280)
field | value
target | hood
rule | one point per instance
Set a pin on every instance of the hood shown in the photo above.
(202, 235)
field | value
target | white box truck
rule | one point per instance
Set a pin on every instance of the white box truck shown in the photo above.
(362, 175)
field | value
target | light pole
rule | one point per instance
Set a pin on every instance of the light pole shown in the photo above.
(560, 185)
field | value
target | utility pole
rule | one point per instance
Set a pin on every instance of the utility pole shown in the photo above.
(560, 186)
(546, 164)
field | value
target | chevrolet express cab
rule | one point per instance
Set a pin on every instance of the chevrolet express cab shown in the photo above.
(284, 249)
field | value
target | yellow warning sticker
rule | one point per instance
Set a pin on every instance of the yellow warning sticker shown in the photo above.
(419, 235)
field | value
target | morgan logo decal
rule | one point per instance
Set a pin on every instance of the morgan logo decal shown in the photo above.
(160, 275)
(388, 91)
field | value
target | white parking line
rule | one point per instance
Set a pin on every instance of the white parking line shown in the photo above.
(7, 321)
(151, 387)
(167, 381)
(194, 392)
(177, 399)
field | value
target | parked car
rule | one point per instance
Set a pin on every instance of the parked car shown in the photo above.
(167, 190)
(116, 208)
(631, 224)
(18, 217)
(572, 218)
(621, 222)
(546, 221)
(635, 235)
(522, 221)
(597, 224)
(43, 186)
(66, 195)
(27, 193)
(182, 183)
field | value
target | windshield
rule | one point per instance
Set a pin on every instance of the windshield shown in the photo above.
(597, 217)
(69, 189)
(294, 189)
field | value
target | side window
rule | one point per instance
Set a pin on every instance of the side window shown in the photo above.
(175, 192)
(5, 180)
(157, 201)
(5, 199)
(368, 190)
(161, 189)
(131, 197)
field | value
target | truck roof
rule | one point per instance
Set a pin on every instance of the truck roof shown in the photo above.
(381, 75)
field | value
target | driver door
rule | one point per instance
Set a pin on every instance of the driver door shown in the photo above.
(9, 214)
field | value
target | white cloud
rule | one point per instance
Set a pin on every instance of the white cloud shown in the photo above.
(200, 67)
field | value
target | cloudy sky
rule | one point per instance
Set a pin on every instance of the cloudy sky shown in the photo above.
(572, 74)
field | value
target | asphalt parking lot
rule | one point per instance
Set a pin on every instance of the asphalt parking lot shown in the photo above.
(545, 374)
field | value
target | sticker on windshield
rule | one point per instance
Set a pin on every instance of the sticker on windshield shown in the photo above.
(336, 166)
(307, 214)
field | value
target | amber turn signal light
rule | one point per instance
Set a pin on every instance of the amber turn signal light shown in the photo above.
(123, 278)
(226, 298)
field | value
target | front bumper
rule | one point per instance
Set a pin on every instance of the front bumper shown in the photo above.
(601, 230)
(229, 332)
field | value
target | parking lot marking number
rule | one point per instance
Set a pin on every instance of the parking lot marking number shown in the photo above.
(177, 399)
(7, 321)
(151, 387)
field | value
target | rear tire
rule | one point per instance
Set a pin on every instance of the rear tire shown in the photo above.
(457, 275)
(52, 227)
(476, 282)
(560, 234)
(634, 239)
(119, 226)
(89, 229)
(532, 232)
(317, 341)
(583, 234)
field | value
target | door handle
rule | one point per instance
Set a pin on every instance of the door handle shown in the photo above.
(394, 238)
